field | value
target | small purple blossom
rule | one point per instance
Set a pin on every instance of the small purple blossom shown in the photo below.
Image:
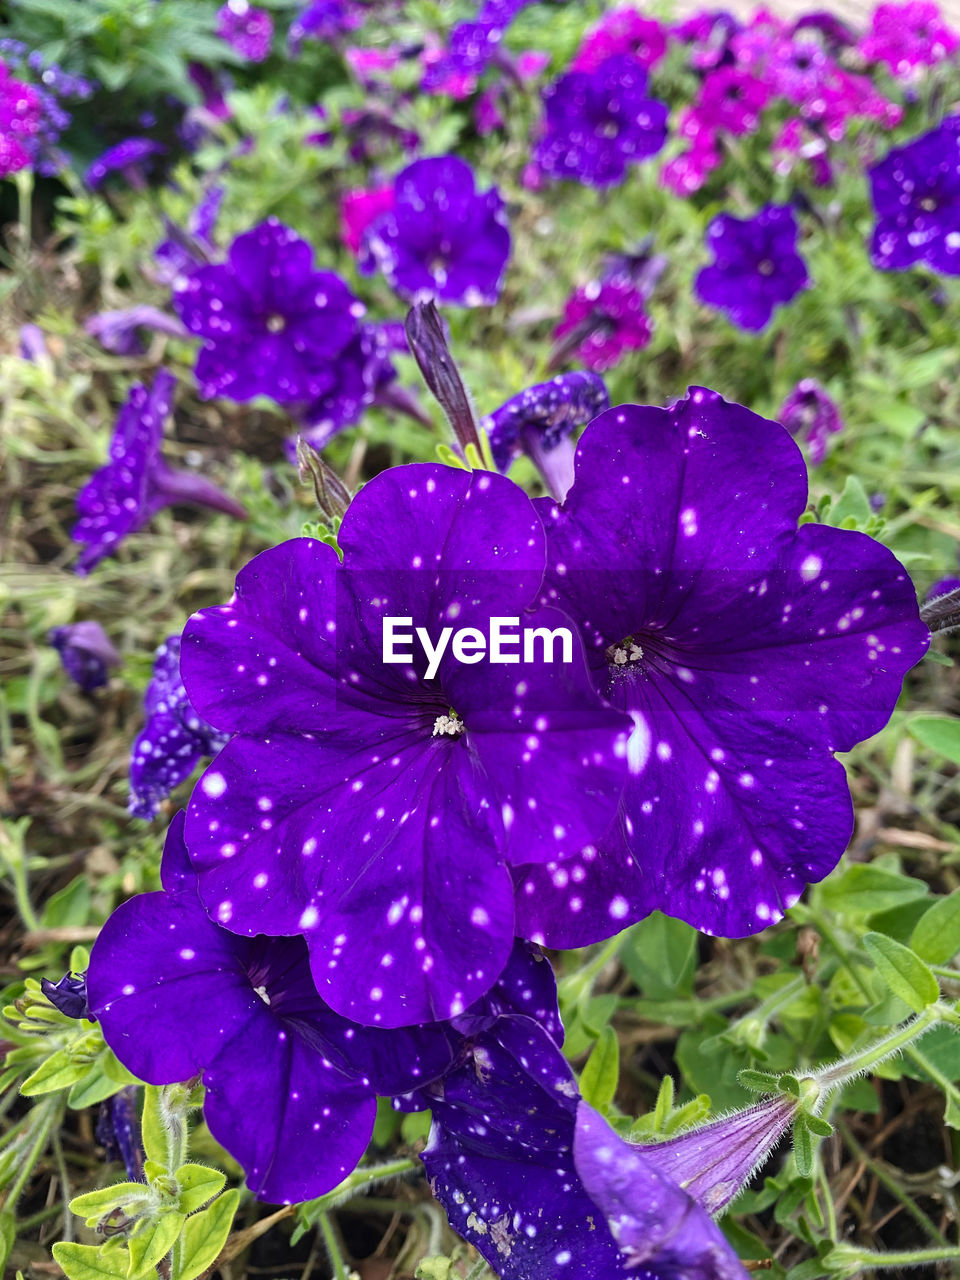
(708, 35)
(116, 331)
(183, 250)
(916, 197)
(130, 158)
(247, 30)
(271, 324)
(174, 738)
(443, 238)
(323, 20)
(68, 994)
(606, 319)
(808, 411)
(597, 123)
(399, 792)
(86, 653)
(756, 265)
(290, 1087)
(747, 651)
(33, 343)
(137, 483)
(539, 421)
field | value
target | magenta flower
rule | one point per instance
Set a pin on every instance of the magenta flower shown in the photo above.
(247, 30)
(21, 120)
(621, 31)
(908, 37)
(359, 209)
(604, 320)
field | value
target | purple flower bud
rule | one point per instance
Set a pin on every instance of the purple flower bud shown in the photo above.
(810, 412)
(69, 994)
(33, 343)
(428, 342)
(86, 653)
(130, 158)
(539, 422)
(118, 1131)
(116, 331)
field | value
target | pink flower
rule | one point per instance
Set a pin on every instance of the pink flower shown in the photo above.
(360, 208)
(907, 37)
(622, 31)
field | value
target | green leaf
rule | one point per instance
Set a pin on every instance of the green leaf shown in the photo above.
(664, 1104)
(660, 954)
(852, 504)
(88, 1262)
(151, 1126)
(904, 972)
(864, 888)
(598, 1080)
(940, 733)
(936, 937)
(816, 1124)
(198, 1184)
(153, 1242)
(205, 1234)
(8, 1234)
(94, 1204)
(758, 1081)
(59, 1071)
(803, 1147)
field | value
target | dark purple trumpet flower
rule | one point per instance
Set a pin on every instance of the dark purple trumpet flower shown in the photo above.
(68, 994)
(137, 483)
(86, 653)
(541, 1186)
(756, 265)
(290, 1086)
(916, 197)
(173, 740)
(746, 650)
(539, 422)
(271, 324)
(373, 797)
(116, 331)
(247, 30)
(130, 158)
(442, 239)
(597, 123)
(808, 411)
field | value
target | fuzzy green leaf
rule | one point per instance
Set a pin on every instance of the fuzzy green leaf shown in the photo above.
(198, 1184)
(96, 1203)
(153, 1242)
(205, 1234)
(904, 972)
(59, 1071)
(940, 733)
(88, 1262)
(151, 1125)
(598, 1080)
(936, 937)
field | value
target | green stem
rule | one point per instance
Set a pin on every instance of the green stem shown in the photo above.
(891, 1184)
(177, 1133)
(33, 1155)
(334, 1252)
(857, 1063)
(478, 1269)
(947, 1087)
(918, 1258)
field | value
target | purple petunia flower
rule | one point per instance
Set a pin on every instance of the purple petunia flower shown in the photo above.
(747, 651)
(604, 320)
(247, 30)
(916, 196)
(539, 420)
(809, 411)
(541, 1186)
(272, 325)
(323, 20)
(597, 123)
(708, 35)
(177, 996)
(86, 653)
(173, 740)
(136, 483)
(908, 37)
(130, 158)
(756, 265)
(373, 798)
(442, 239)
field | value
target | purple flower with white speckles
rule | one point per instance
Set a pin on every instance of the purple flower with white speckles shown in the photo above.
(247, 30)
(271, 324)
(916, 197)
(86, 653)
(745, 650)
(137, 483)
(177, 996)
(541, 1186)
(442, 238)
(809, 411)
(375, 805)
(539, 421)
(756, 265)
(597, 123)
(174, 738)
(130, 158)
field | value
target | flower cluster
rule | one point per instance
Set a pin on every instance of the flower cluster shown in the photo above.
(32, 114)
